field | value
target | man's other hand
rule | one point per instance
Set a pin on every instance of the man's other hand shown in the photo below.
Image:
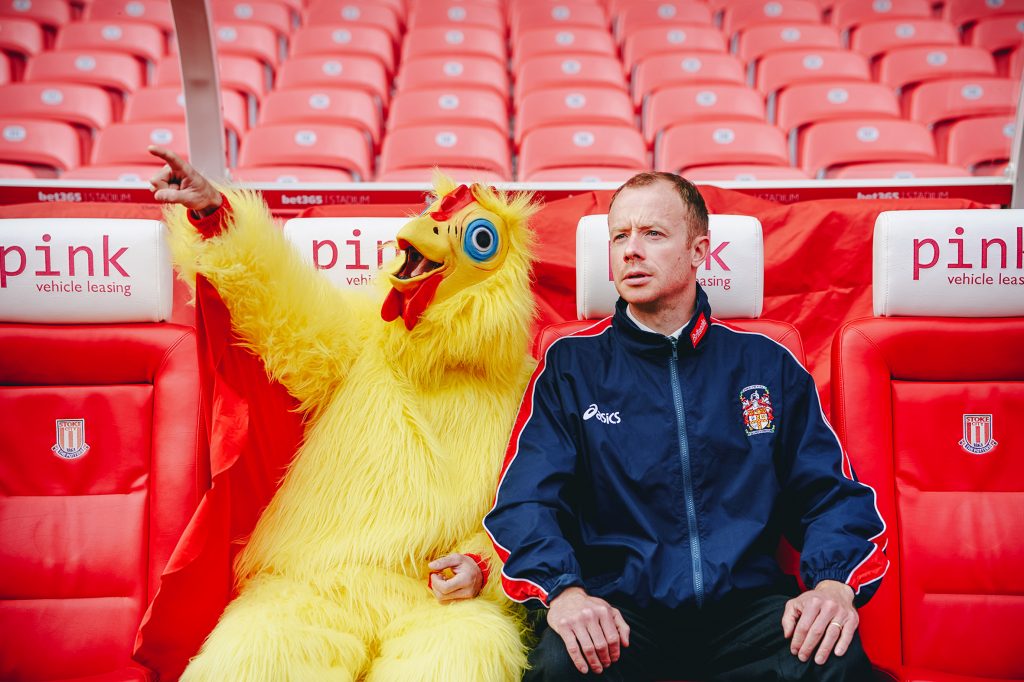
(466, 582)
(592, 629)
(179, 183)
(822, 618)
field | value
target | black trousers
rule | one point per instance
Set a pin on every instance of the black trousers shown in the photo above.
(737, 639)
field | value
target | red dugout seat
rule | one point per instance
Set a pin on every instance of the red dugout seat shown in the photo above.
(683, 146)
(562, 146)
(107, 466)
(924, 397)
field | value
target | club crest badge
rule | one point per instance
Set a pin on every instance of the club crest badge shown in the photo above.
(758, 415)
(978, 438)
(70, 439)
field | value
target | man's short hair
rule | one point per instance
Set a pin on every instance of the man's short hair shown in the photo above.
(693, 202)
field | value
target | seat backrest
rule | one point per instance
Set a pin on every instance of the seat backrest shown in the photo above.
(48, 144)
(980, 140)
(328, 105)
(780, 69)
(831, 144)
(564, 41)
(670, 39)
(556, 106)
(125, 143)
(454, 41)
(759, 41)
(636, 16)
(361, 41)
(925, 398)
(453, 72)
(481, 107)
(686, 145)
(953, 98)
(102, 465)
(309, 144)
(874, 38)
(708, 102)
(463, 146)
(689, 68)
(581, 144)
(554, 71)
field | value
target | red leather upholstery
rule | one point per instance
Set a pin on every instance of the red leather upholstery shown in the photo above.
(85, 539)
(950, 608)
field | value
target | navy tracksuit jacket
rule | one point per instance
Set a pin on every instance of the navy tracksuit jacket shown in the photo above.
(664, 472)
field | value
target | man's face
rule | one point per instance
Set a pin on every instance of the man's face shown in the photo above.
(653, 262)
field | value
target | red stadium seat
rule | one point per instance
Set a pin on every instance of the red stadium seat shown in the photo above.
(984, 140)
(585, 174)
(142, 41)
(83, 105)
(781, 69)
(323, 105)
(909, 66)
(799, 105)
(453, 41)
(153, 12)
(273, 15)
(338, 41)
(348, 13)
(878, 37)
(50, 14)
(128, 173)
(362, 73)
(526, 16)
(941, 101)
(565, 42)
(5, 69)
(744, 173)
(579, 106)
(736, 18)
(424, 175)
(118, 73)
(449, 107)
(826, 146)
(689, 103)
(250, 41)
(697, 68)
(581, 145)
(934, 433)
(290, 174)
(1016, 63)
(21, 38)
(758, 41)
(459, 146)
(997, 33)
(125, 143)
(168, 104)
(458, 14)
(848, 14)
(640, 15)
(553, 71)
(960, 13)
(308, 144)
(243, 75)
(50, 145)
(107, 467)
(898, 171)
(453, 72)
(670, 39)
(683, 146)
(15, 171)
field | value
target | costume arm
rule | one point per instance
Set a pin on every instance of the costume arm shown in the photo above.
(305, 329)
(532, 508)
(835, 521)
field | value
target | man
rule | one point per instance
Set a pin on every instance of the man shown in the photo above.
(644, 494)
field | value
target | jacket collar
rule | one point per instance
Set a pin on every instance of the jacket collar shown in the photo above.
(690, 340)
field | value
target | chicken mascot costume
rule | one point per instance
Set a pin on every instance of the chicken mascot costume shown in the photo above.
(408, 406)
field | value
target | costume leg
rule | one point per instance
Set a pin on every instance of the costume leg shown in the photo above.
(473, 640)
(279, 629)
(746, 643)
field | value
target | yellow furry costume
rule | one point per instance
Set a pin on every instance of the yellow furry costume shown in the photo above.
(406, 428)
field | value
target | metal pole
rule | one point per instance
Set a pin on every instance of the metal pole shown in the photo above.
(200, 82)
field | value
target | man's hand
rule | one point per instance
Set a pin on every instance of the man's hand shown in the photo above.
(824, 618)
(593, 630)
(466, 582)
(179, 183)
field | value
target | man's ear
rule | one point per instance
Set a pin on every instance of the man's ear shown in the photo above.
(700, 247)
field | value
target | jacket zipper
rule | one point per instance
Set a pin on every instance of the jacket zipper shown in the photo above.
(684, 458)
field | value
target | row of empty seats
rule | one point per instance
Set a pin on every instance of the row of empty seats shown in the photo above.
(349, 89)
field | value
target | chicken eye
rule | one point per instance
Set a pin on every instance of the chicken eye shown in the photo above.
(481, 242)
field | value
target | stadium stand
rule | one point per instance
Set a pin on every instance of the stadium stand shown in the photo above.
(47, 146)
(449, 107)
(825, 146)
(980, 141)
(566, 146)
(142, 41)
(686, 145)
(328, 105)
(153, 12)
(875, 38)
(338, 41)
(459, 41)
(635, 16)
(641, 43)
(848, 14)
(688, 68)
(453, 72)
(709, 102)
(584, 106)
(738, 18)
(566, 42)
(85, 106)
(342, 147)
(932, 433)
(554, 71)
(461, 146)
(349, 13)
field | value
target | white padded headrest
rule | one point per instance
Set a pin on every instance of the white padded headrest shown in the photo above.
(964, 263)
(732, 274)
(350, 251)
(84, 270)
